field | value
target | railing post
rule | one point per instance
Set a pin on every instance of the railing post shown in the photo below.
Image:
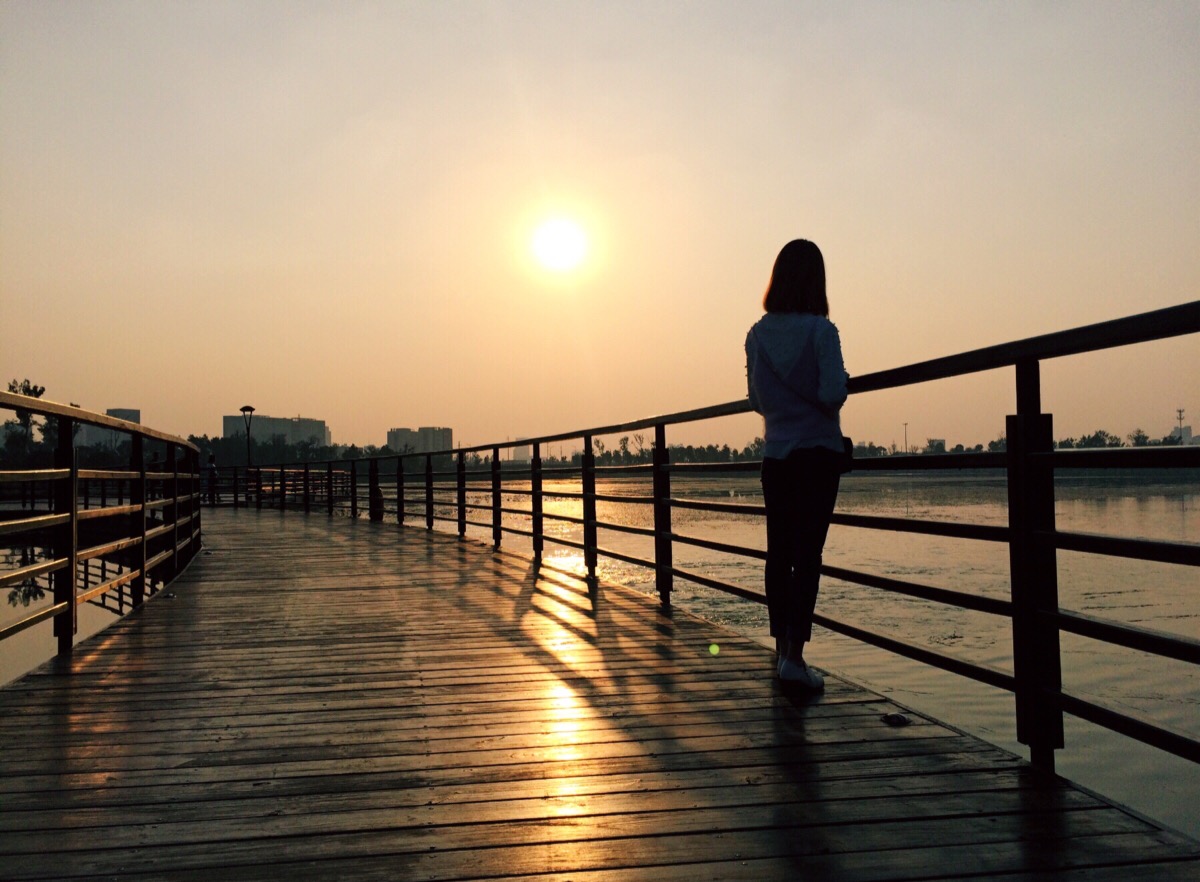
(497, 515)
(374, 491)
(428, 491)
(258, 488)
(460, 474)
(137, 497)
(663, 549)
(535, 502)
(172, 509)
(307, 489)
(354, 489)
(400, 490)
(66, 542)
(236, 499)
(282, 488)
(194, 506)
(588, 480)
(1037, 664)
(329, 488)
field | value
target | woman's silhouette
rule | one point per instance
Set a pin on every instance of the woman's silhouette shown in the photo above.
(797, 381)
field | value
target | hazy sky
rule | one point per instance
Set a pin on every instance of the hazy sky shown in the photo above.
(325, 208)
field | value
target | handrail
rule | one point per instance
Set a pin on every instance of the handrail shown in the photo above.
(1029, 464)
(79, 528)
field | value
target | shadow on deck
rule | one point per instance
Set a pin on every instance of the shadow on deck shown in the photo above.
(322, 699)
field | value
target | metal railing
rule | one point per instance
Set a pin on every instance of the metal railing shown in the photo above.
(105, 535)
(435, 487)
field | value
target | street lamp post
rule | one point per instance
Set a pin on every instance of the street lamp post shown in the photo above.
(905, 435)
(248, 416)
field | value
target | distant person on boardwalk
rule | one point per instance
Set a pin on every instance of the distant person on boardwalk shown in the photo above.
(212, 479)
(796, 379)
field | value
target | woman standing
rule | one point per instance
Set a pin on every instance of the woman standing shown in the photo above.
(797, 381)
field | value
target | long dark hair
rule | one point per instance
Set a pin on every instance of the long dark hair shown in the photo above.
(798, 280)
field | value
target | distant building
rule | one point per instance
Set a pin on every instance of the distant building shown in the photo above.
(520, 454)
(264, 428)
(1184, 433)
(426, 439)
(96, 436)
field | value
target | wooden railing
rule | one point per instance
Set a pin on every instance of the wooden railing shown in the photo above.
(109, 536)
(432, 484)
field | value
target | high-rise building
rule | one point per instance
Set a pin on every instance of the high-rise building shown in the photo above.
(97, 436)
(264, 428)
(426, 439)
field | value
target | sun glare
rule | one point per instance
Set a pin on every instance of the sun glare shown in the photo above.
(559, 245)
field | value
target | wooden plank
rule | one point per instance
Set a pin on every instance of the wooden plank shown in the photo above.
(321, 699)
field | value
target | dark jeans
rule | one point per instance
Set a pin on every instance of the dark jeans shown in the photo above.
(799, 493)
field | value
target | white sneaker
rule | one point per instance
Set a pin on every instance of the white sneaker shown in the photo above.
(800, 674)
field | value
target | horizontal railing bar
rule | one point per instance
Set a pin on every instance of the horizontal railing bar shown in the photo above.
(930, 528)
(980, 673)
(159, 531)
(717, 585)
(159, 558)
(713, 467)
(1184, 553)
(1157, 457)
(486, 525)
(903, 462)
(570, 519)
(32, 619)
(85, 596)
(1161, 643)
(622, 528)
(42, 407)
(90, 514)
(946, 596)
(33, 571)
(1147, 733)
(107, 475)
(627, 558)
(108, 548)
(518, 531)
(725, 507)
(1157, 325)
(561, 494)
(40, 522)
(719, 546)
(28, 475)
(626, 469)
(634, 500)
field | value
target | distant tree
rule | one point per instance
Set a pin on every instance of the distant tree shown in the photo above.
(1066, 444)
(24, 417)
(1138, 438)
(1099, 438)
(958, 448)
(1171, 441)
(934, 445)
(1000, 445)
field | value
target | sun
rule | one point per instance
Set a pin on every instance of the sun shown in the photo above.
(559, 244)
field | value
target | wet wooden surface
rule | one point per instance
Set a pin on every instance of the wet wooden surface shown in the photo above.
(321, 699)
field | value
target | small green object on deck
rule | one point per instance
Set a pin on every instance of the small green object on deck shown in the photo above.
(713, 648)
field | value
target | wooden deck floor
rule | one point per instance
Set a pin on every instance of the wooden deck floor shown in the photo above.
(316, 699)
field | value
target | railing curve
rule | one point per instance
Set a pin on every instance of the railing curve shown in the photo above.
(108, 535)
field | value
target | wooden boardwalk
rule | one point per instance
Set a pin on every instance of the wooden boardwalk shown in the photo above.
(319, 699)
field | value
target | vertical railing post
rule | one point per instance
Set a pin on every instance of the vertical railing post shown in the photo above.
(354, 489)
(400, 490)
(329, 488)
(307, 489)
(497, 515)
(460, 476)
(1037, 664)
(258, 490)
(537, 526)
(664, 564)
(374, 491)
(137, 497)
(429, 491)
(172, 509)
(590, 532)
(282, 488)
(66, 542)
(194, 507)
(236, 499)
